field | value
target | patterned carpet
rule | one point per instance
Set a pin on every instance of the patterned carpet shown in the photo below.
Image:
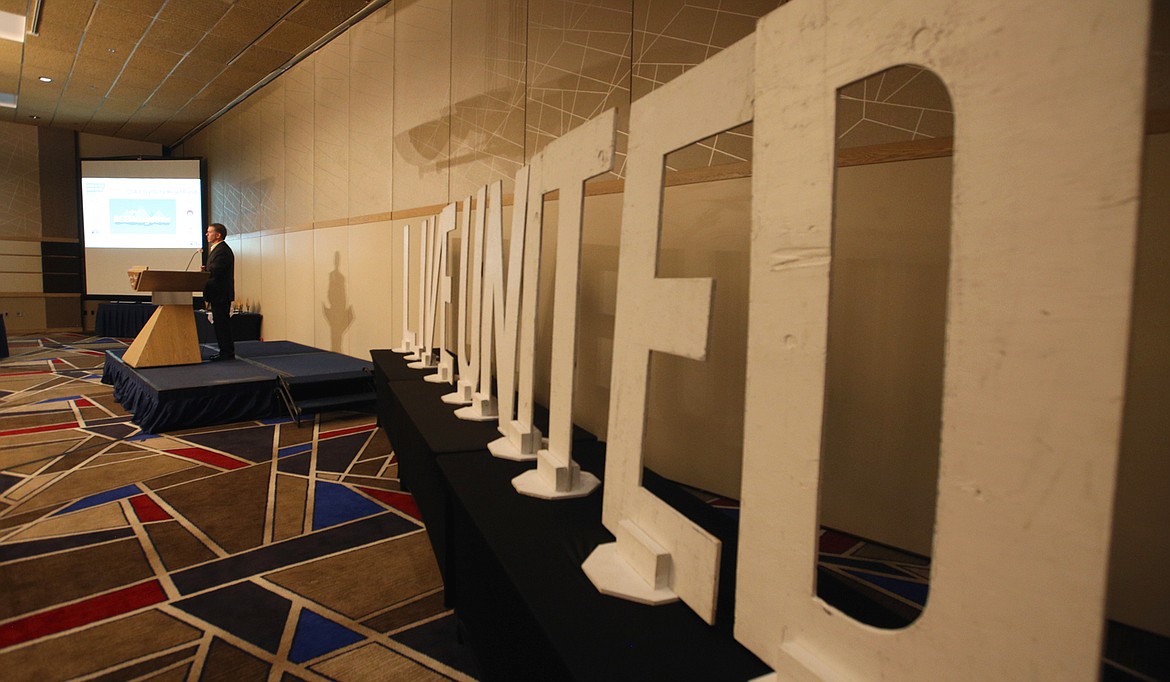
(249, 551)
(263, 550)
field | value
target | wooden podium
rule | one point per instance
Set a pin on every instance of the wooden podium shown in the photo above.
(169, 336)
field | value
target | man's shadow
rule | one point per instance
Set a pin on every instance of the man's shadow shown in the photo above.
(338, 313)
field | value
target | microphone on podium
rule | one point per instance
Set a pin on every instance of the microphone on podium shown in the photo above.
(192, 258)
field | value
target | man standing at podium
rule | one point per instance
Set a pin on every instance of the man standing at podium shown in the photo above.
(220, 290)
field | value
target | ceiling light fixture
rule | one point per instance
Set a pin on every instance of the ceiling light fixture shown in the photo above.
(34, 117)
(7, 100)
(45, 79)
(34, 25)
(11, 26)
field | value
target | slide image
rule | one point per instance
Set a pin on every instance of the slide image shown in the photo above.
(142, 216)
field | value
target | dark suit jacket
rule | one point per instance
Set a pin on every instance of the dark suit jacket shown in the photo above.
(221, 266)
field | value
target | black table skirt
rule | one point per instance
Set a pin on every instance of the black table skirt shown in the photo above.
(125, 320)
(511, 564)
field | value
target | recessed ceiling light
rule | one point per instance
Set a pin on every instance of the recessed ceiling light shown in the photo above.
(45, 79)
(34, 117)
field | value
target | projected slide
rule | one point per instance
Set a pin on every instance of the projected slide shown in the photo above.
(138, 212)
(142, 213)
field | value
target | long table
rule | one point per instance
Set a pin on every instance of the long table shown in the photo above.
(511, 564)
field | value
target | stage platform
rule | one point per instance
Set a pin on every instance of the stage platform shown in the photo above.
(181, 397)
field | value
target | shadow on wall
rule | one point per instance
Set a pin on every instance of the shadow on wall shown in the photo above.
(338, 313)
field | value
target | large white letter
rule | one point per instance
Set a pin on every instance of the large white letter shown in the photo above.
(1048, 102)
(406, 346)
(422, 350)
(440, 299)
(568, 162)
(498, 319)
(470, 283)
(487, 283)
(660, 555)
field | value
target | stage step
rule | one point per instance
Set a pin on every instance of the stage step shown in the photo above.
(311, 395)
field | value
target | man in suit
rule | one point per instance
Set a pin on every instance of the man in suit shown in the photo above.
(220, 290)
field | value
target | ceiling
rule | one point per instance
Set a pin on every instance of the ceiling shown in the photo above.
(154, 69)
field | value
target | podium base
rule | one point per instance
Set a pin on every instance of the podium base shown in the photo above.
(168, 338)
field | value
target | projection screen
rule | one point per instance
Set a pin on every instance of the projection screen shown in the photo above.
(139, 212)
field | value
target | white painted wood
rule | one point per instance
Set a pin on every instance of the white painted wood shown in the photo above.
(664, 315)
(523, 430)
(420, 293)
(518, 441)
(635, 567)
(468, 342)
(494, 323)
(550, 481)
(649, 559)
(406, 345)
(441, 298)
(423, 355)
(609, 570)
(1048, 99)
(583, 153)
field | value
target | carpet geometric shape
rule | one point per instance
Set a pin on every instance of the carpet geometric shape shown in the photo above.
(76, 456)
(196, 499)
(298, 550)
(147, 510)
(387, 572)
(15, 456)
(45, 581)
(253, 444)
(86, 482)
(246, 610)
(295, 464)
(368, 467)
(289, 509)
(375, 659)
(116, 431)
(28, 488)
(95, 648)
(403, 502)
(191, 473)
(295, 449)
(335, 504)
(11, 551)
(142, 669)
(15, 520)
(228, 507)
(101, 498)
(336, 454)
(379, 446)
(206, 456)
(230, 663)
(410, 612)
(316, 636)
(7, 481)
(176, 546)
(102, 517)
(81, 613)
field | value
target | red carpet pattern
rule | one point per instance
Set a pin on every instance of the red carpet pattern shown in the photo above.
(255, 550)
